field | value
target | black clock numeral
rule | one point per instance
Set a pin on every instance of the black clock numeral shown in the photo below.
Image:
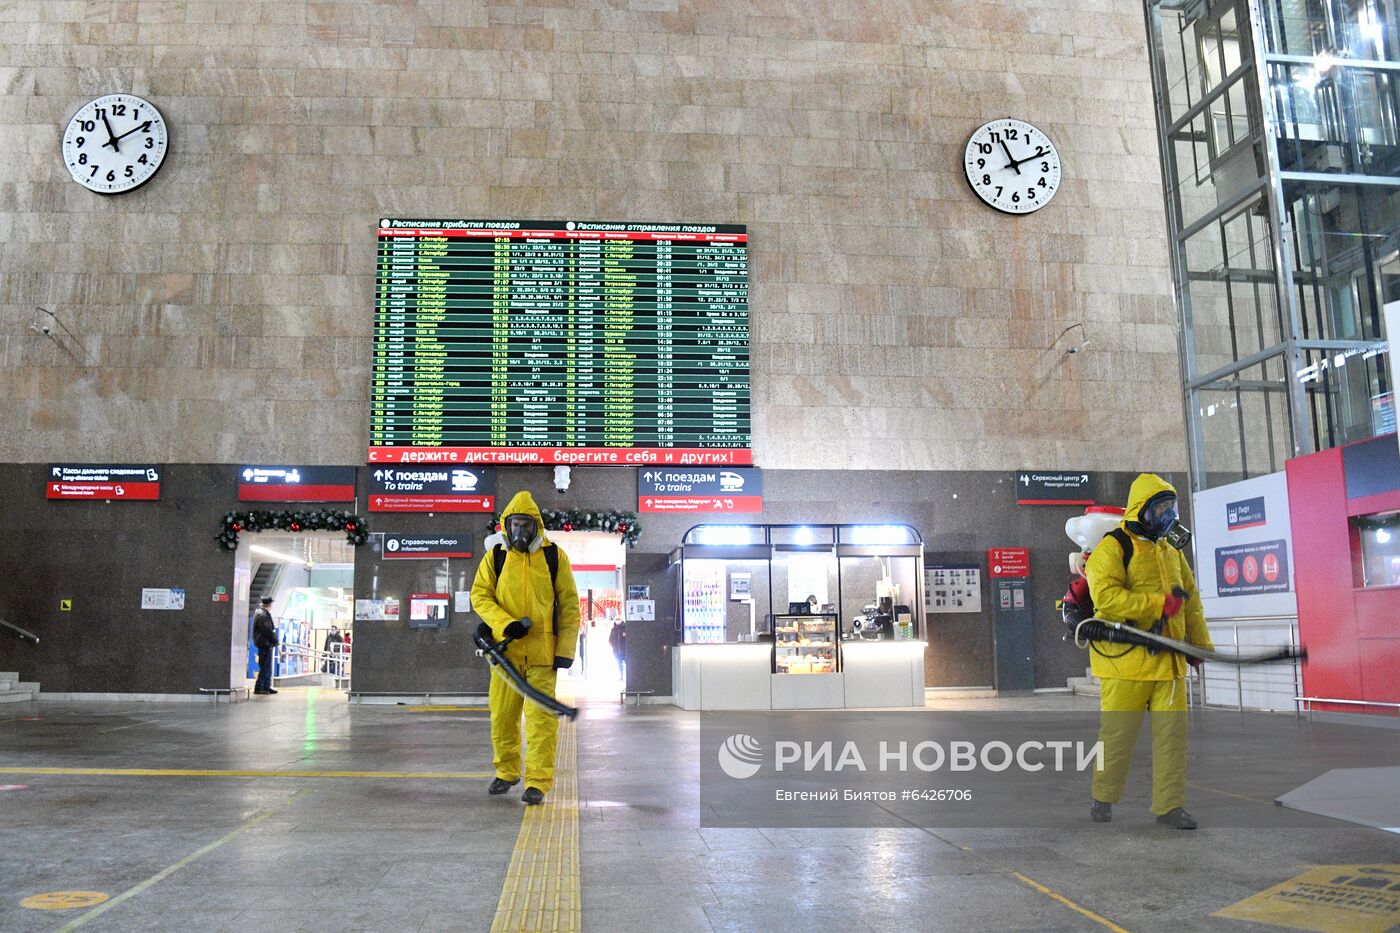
(1011, 132)
(101, 112)
(998, 190)
(137, 114)
(1045, 166)
(986, 179)
(119, 110)
(142, 160)
(129, 171)
(1030, 193)
(984, 148)
(981, 163)
(82, 158)
(150, 142)
(1015, 197)
(88, 125)
(80, 140)
(1042, 183)
(112, 175)
(94, 170)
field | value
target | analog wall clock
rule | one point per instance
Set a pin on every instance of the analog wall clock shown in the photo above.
(115, 143)
(1012, 165)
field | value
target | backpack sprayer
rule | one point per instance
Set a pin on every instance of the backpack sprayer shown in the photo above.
(1085, 628)
(495, 653)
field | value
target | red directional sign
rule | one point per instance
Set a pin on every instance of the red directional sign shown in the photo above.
(102, 481)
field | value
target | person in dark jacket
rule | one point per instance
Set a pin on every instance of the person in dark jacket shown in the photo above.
(264, 639)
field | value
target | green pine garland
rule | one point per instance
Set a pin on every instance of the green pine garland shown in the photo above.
(355, 527)
(622, 523)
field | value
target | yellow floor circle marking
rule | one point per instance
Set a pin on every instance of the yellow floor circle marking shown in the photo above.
(1328, 899)
(63, 900)
(541, 888)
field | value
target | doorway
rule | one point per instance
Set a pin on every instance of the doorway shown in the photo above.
(599, 563)
(311, 579)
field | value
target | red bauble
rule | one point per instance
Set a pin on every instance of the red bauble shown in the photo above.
(622, 527)
(349, 526)
(568, 526)
(237, 527)
(296, 526)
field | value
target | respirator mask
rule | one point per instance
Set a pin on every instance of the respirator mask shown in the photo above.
(1160, 518)
(521, 531)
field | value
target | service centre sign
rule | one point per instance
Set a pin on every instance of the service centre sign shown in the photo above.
(401, 488)
(102, 481)
(690, 489)
(296, 484)
(425, 547)
(1247, 569)
(1042, 488)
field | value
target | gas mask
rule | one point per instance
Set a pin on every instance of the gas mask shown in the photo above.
(1160, 518)
(521, 531)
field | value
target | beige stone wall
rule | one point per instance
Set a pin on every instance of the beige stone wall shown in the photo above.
(223, 311)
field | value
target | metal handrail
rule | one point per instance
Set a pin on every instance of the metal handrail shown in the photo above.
(338, 660)
(1347, 702)
(1198, 682)
(21, 634)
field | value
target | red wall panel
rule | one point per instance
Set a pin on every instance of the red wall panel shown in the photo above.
(1317, 506)
(1352, 634)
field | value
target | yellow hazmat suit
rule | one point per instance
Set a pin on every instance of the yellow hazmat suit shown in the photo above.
(524, 589)
(1135, 681)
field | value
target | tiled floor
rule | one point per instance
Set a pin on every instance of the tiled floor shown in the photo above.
(391, 853)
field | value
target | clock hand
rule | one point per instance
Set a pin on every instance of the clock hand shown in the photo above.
(140, 126)
(1034, 155)
(1013, 163)
(111, 137)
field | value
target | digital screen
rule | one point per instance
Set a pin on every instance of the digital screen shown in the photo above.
(561, 342)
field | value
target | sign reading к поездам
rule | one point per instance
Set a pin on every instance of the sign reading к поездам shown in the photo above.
(697, 489)
(1033, 488)
(432, 489)
(1247, 569)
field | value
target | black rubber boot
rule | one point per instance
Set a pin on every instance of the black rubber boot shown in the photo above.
(1101, 812)
(533, 796)
(1177, 818)
(500, 786)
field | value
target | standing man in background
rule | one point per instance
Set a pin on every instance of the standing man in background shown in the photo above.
(264, 639)
(527, 579)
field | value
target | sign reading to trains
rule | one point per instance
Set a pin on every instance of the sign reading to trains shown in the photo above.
(561, 342)
(102, 481)
(432, 489)
(696, 490)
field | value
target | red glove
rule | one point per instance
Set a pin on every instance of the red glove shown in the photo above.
(1172, 604)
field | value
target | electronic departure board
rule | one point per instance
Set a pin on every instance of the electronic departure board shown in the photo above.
(560, 342)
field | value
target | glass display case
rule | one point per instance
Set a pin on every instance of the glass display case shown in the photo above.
(806, 643)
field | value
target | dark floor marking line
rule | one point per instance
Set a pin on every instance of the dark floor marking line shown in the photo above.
(191, 772)
(167, 872)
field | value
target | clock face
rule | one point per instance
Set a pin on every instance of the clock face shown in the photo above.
(1012, 166)
(115, 143)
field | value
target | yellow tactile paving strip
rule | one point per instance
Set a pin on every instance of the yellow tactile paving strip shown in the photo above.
(541, 890)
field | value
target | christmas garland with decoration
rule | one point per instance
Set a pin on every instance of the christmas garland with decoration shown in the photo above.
(356, 528)
(622, 523)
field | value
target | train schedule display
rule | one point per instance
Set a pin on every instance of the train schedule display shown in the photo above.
(560, 342)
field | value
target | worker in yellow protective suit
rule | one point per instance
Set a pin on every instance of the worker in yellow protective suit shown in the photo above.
(1151, 586)
(526, 588)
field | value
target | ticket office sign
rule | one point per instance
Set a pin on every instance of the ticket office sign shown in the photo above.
(700, 490)
(102, 481)
(580, 342)
(407, 488)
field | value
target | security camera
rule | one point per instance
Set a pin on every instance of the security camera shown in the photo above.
(561, 479)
